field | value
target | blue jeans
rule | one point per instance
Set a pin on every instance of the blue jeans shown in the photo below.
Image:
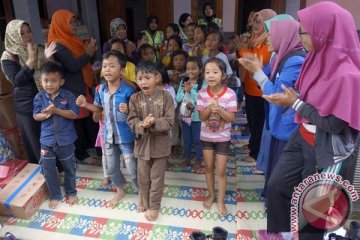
(112, 163)
(48, 167)
(191, 135)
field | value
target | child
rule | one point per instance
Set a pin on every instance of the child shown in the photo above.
(217, 107)
(198, 49)
(191, 126)
(190, 35)
(174, 44)
(151, 117)
(113, 97)
(178, 60)
(56, 108)
(128, 73)
(147, 53)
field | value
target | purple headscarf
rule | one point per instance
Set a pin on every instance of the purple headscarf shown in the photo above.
(330, 77)
(284, 35)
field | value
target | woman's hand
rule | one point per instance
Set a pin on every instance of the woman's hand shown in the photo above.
(251, 62)
(90, 47)
(285, 99)
(241, 42)
(32, 55)
(50, 50)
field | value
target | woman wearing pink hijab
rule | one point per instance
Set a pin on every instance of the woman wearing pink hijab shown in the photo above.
(328, 113)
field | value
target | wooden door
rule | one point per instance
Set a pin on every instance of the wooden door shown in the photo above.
(163, 9)
(108, 10)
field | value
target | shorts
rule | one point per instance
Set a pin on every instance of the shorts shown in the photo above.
(221, 148)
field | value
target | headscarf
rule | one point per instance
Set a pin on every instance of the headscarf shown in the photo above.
(329, 79)
(282, 41)
(15, 45)
(260, 37)
(114, 24)
(60, 32)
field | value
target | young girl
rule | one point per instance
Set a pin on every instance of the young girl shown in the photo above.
(147, 53)
(191, 125)
(174, 44)
(214, 43)
(217, 107)
(178, 60)
(199, 48)
(190, 34)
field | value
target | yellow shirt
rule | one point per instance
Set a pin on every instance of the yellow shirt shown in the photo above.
(166, 61)
(129, 71)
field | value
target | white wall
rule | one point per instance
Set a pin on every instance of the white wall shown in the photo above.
(292, 6)
(181, 6)
(353, 6)
(229, 15)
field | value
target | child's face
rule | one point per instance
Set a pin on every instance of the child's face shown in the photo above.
(111, 69)
(143, 40)
(190, 31)
(121, 32)
(199, 36)
(231, 46)
(118, 46)
(169, 32)
(51, 82)
(213, 74)
(179, 62)
(187, 21)
(173, 46)
(148, 55)
(192, 70)
(147, 82)
(212, 42)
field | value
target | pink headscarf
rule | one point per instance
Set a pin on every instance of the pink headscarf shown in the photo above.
(330, 77)
(284, 35)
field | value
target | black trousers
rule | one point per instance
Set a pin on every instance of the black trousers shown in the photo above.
(86, 131)
(30, 133)
(297, 162)
(255, 113)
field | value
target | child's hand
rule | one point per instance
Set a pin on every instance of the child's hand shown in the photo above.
(148, 121)
(50, 110)
(187, 86)
(214, 101)
(81, 101)
(215, 108)
(96, 116)
(123, 108)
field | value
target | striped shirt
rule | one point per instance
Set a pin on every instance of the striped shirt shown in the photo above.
(214, 129)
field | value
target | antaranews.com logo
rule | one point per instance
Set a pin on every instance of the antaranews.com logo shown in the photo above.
(323, 200)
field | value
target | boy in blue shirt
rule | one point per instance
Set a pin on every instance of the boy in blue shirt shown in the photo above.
(56, 109)
(113, 98)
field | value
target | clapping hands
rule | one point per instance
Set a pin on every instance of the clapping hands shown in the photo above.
(148, 121)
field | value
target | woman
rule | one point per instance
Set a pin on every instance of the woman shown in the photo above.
(75, 57)
(118, 30)
(254, 103)
(209, 16)
(21, 62)
(285, 68)
(326, 110)
(184, 20)
(154, 36)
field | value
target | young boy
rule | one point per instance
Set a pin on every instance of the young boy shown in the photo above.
(113, 98)
(56, 108)
(151, 117)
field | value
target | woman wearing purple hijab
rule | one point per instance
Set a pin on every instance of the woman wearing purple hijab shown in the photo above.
(328, 113)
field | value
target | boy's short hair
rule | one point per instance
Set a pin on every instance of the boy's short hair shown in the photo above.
(52, 67)
(120, 57)
(147, 67)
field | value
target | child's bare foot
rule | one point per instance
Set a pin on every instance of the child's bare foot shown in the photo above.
(208, 203)
(53, 203)
(222, 209)
(147, 215)
(140, 207)
(106, 182)
(154, 214)
(120, 194)
(71, 200)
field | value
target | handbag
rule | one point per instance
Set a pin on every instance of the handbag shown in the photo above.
(187, 108)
